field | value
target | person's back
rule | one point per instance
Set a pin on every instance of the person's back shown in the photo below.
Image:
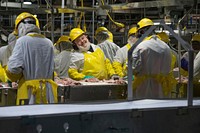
(109, 49)
(154, 62)
(62, 59)
(31, 63)
(37, 57)
(151, 65)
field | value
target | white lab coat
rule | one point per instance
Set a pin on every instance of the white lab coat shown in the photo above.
(6, 51)
(151, 57)
(109, 49)
(33, 57)
(121, 54)
(62, 61)
(197, 67)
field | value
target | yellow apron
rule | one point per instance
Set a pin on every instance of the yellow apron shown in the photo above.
(38, 89)
(3, 77)
(94, 64)
(167, 81)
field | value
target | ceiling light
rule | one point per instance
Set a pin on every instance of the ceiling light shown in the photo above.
(27, 2)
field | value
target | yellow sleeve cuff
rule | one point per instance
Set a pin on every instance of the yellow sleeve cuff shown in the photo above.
(74, 74)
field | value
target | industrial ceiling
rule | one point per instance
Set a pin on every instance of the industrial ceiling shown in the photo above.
(128, 12)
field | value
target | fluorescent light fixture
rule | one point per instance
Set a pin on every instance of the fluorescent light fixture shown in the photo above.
(27, 2)
(157, 23)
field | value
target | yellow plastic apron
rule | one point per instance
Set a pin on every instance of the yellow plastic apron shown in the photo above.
(94, 64)
(38, 89)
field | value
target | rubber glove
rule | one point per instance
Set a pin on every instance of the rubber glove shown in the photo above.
(88, 77)
(126, 78)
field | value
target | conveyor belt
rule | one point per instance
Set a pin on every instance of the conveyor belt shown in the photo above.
(29, 110)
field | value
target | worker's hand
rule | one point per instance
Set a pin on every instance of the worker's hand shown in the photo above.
(115, 77)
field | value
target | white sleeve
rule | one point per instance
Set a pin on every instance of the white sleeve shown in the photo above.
(77, 60)
(197, 66)
(119, 56)
(15, 63)
(136, 64)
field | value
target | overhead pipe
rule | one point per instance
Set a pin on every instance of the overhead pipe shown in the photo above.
(62, 18)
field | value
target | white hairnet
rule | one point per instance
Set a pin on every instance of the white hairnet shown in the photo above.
(102, 36)
(64, 46)
(23, 29)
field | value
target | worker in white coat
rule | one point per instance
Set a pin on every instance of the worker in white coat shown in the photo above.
(197, 68)
(32, 63)
(88, 61)
(151, 65)
(109, 48)
(6, 51)
(195, 41)
(120, 59)
(62, 60)
(196, 46)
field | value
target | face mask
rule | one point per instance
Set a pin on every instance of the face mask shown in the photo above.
(84, 49)
(21, 29)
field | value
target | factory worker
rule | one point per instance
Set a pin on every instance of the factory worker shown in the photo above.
(120, 60)
(61, 60)
(6, 51)
(109, 48)
(151, 65)
(195, 41)
(196, 46)
(88, 61)
(31, 63)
